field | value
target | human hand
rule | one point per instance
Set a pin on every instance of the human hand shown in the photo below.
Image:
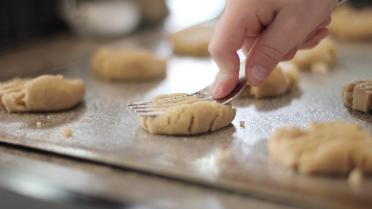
(268, 31)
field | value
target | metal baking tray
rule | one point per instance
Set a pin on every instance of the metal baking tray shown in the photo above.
(232, 159)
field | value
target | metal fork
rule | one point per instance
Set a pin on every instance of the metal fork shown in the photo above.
(150, 108)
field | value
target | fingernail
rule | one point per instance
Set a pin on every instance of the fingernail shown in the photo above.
(259, 73)
(216, 89)
(217, 86)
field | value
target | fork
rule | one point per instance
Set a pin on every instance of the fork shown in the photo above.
(152, 109)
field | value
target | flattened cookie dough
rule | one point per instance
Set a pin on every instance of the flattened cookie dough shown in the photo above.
(189, 117)
(325, 148)
(42, 94)
(351, 23)
(128, 65)
(282, 80)
(357, 95)
(193, 41)
(319, 59)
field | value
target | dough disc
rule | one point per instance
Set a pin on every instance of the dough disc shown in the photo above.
(189, 117)
(193, 41)
(350, 23)
(282, 80)
(325, 148)
(320, 59)
(42, 94)
(127, 65)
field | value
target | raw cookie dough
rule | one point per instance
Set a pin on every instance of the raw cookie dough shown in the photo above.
(189, 117)
(193, 41)
(67, 133)
(325, 148)
(42, 94)
(128, 65)
(282, 80)
(320, 59)
(351, 23)
(357, 95)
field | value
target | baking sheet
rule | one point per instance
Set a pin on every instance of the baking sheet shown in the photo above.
(68, 182)
(235, 158)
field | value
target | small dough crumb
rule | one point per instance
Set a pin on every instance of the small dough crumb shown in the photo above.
(351, 23)
(357, 95)
(325, 148)
(188, 117)
(38, 124)
(282, 80)
(45, 93)
(128, 65)
(319, 59)
(67, 133)
(193, 41)
(355, 177)
(242, 124)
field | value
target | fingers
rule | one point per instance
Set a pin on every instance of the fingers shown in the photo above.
(315, 39)
(290, 55)
(248, 43)
(240, 27)
(280, 42)
(326, 22)
(227, 40)
(275, 44)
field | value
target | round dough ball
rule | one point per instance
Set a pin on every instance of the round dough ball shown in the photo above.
(42, 94)
(193, 41)
(320, 59)
(325, 148)
(128, 65)
(351, 23)
(282, 80)
(188, 117)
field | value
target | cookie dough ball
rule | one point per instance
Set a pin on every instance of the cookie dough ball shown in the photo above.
(188, 117)
(319, 59)
(351, 23)
(193, 41)
(42, 94)
(357, 95)
(127, 65)
(282, 80)
(325, 148)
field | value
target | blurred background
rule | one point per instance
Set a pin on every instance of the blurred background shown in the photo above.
(24, 20)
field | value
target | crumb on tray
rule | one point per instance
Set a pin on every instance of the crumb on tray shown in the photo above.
(38, 124)
(67, 133)
(242, 124)
(355, 177)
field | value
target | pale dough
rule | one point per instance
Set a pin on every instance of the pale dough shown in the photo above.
(320, 59)
(325, 148)
(67, 133)
(282, 80)
(189, 117)
(357, 95)
(193, 41)
(128, 65)
(351, 23)
(355, 178)
(42, 94)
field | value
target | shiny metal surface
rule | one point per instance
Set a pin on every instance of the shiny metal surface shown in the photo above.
(61, 183)
(234, 158)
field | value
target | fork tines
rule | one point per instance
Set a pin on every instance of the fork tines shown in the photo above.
(159, 106)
